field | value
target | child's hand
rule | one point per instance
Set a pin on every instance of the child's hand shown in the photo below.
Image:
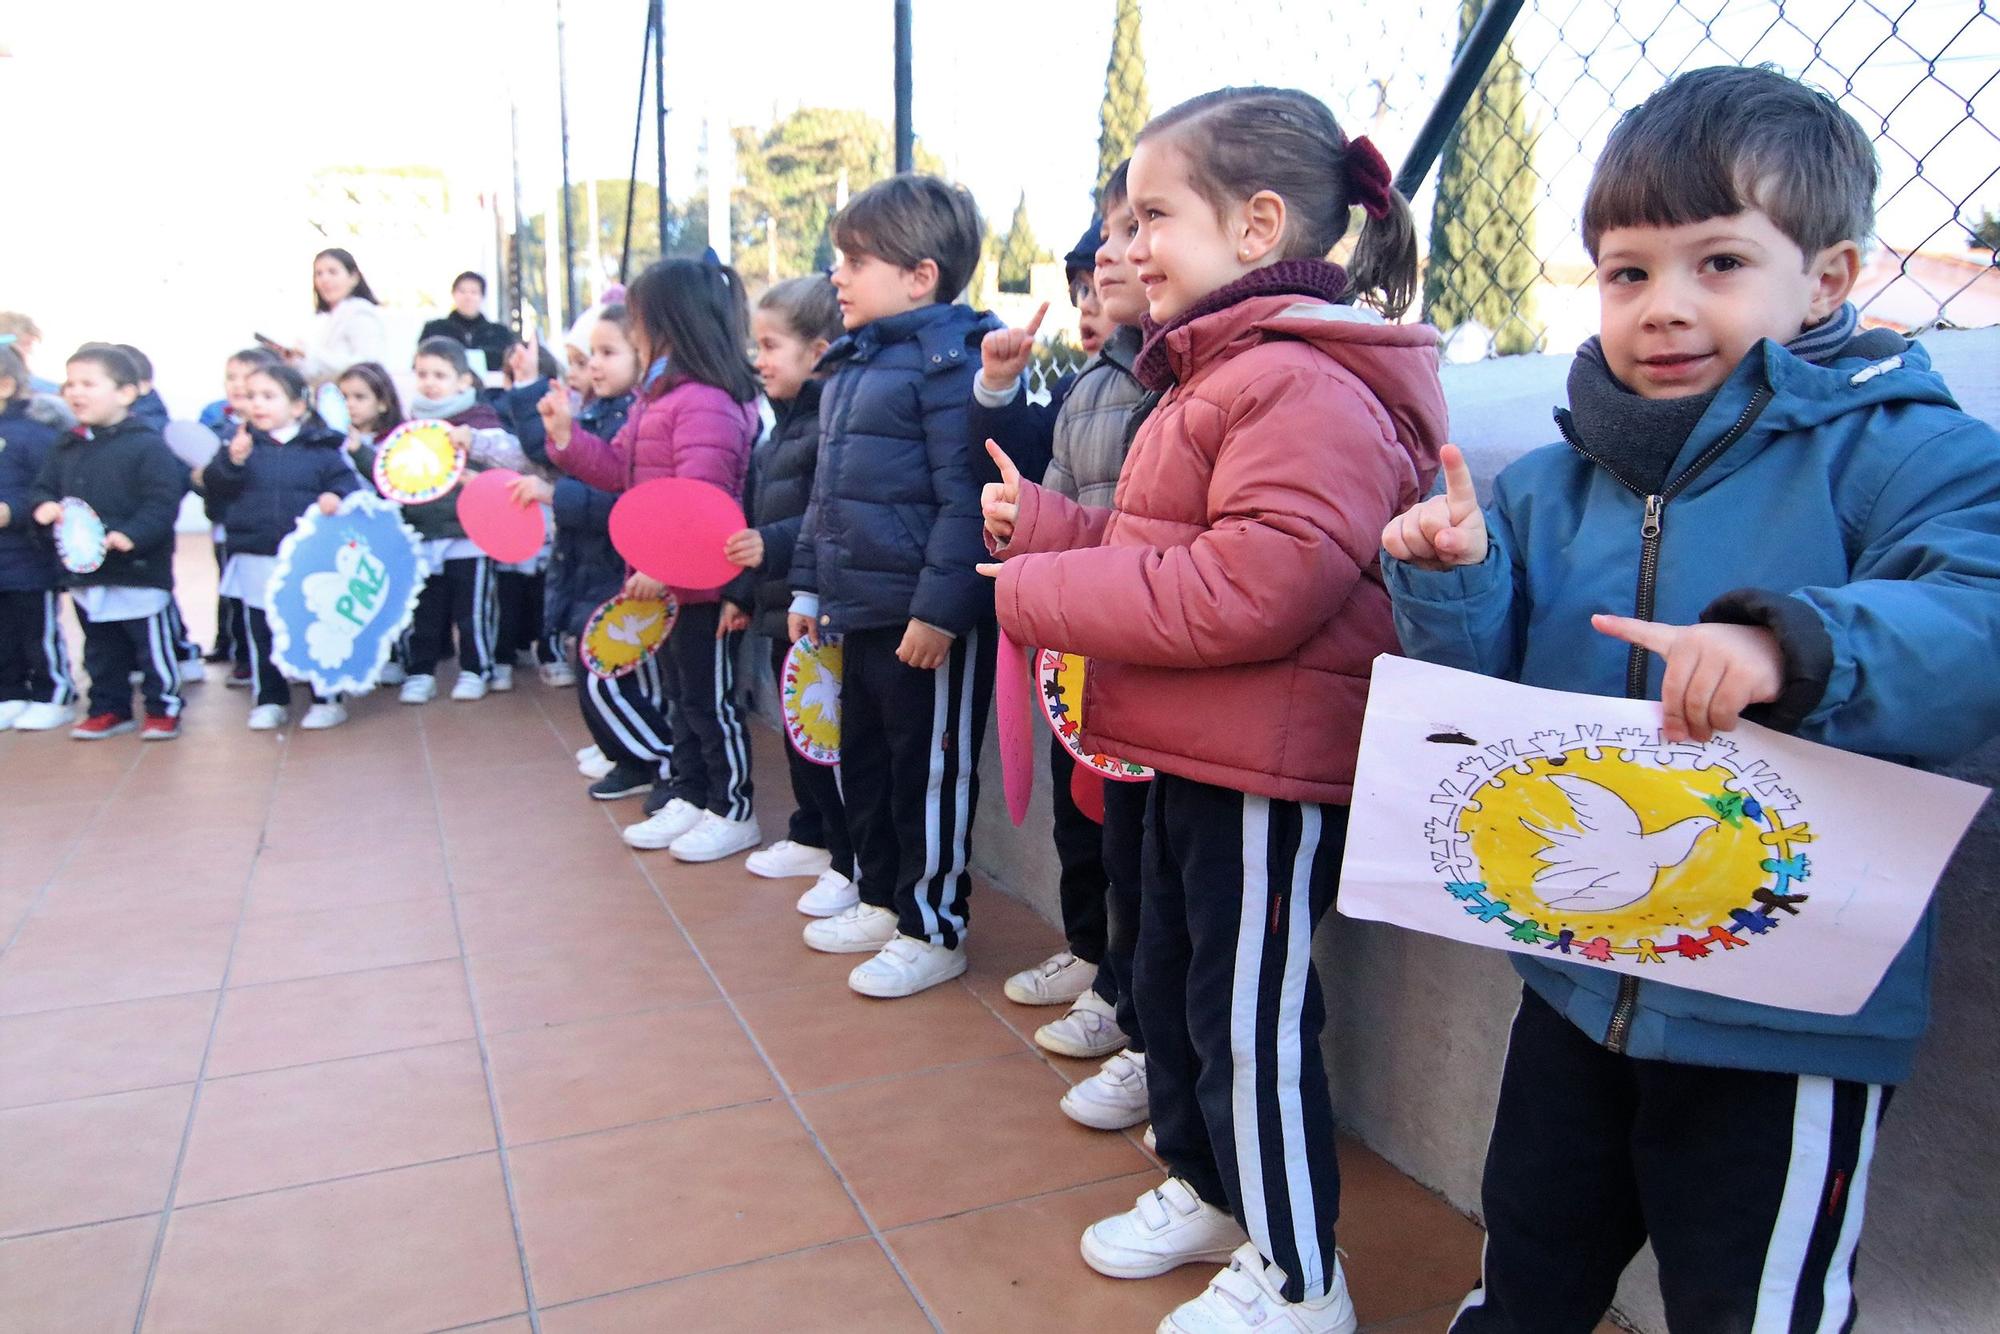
(801, 627)
(47, 512)
(924, 647)
(556, 417)
(1714, 672)
(1004, 353)
(520, 361)
(460, 436)
(745, 548)
(117, 541)
(734, 619)
(528, 490)
(644, 586)
(1445, 530)
(1000, 501)
(329, 504)
(239, 448)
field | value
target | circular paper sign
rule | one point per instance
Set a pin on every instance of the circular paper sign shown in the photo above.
(810, 692)
(673, 529)
(192, 443)
(504, 530)
(623, 632)
(417, 462)
(1059, 677)
(79, 537)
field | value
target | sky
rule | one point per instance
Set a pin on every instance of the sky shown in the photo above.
(168, 146)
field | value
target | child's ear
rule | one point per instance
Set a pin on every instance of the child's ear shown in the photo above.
(922, 280)
(1835, 271)
(818, 349)
(1263, 226)
(128, 394)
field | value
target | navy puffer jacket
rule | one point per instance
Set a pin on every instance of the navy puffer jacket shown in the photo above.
(780, 488)
(584, 568)
(894, 529)
(268, 491)
(27, 557)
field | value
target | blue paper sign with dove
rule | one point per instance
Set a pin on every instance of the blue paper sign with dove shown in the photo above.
(344, 588)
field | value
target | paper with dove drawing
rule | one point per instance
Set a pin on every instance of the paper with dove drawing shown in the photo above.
(809, 698)
(342, 590)
(1756, 865)
(623, 632)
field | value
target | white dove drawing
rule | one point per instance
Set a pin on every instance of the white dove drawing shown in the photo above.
(1611, 862)
(822, 694)
(630, 629)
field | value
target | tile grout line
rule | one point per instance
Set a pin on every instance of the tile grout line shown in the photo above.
(784, 1087)
(479, 1036)
(41, 893)
(208, 1047)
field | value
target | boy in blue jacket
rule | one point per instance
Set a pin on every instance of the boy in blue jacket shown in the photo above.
(1813, 528)
(885, 561)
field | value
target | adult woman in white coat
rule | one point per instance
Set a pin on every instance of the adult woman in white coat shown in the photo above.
(347, 326)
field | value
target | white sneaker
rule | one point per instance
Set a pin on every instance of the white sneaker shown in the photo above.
(418, 689)
(44, 717)
(1089, 1031)
(1056, 980)
(392, 674)
(1247, 1296)
(714, 838)
(268, 717)
(785, 859)
(906, 966)
(322, 716)
(503, 677)
(861, 929)
(558, 675)
(10, 710)
(589, 752)
(598, 766)
(830, 895)
(663, 826)
(1113, 1098)
(1166, 1228)
(470, 686)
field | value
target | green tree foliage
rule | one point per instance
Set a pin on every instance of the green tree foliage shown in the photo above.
(1019, 251)
(792, 176)
(1483, 264)
(1986, 232)
(1126, 107)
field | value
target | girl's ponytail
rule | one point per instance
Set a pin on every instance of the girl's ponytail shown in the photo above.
(1383, 270)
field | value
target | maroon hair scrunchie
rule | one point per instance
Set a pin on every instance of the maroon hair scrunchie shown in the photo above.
(1368, 177)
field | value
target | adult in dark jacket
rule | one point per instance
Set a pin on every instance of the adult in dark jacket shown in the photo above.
(36, 691)
(467, 325)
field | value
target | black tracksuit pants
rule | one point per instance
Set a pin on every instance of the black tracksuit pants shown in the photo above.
(628, 716)
(1123, 841)
(268, 685)
(34, 656)
(1226, 992)
(113, 650)
(1750, 1185)
(711, 762)
(460, 598)
(1080, 880)
(909, 769)
(520, 597)
(819, 818)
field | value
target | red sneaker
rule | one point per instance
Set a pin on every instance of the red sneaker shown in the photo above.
(160, 729)
(101, 725)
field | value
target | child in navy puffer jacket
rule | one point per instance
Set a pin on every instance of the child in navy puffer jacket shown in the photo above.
(36, 693)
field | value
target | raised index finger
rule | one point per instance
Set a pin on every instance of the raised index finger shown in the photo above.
(1008, 472)
(1458, 488)
(1036, 322)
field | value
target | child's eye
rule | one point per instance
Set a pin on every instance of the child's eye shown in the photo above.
(1725, 263)
(1625, 275)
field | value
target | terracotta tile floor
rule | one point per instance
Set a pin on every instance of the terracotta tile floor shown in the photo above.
(383, 1029)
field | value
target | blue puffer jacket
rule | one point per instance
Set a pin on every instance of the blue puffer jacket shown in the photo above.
(584, 568)
(27, 557)
(893, 530)
(267, 493)
(1859, 515)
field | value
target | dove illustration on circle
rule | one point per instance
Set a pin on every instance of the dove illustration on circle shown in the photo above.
(630, 630)
(1611, 862)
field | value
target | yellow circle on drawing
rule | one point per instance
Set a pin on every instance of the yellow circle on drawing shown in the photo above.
(1723, 870)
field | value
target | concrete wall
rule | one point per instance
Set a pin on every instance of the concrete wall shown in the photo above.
(1418, 1025)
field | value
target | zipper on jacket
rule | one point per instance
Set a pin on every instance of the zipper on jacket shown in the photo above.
(1618, 1033)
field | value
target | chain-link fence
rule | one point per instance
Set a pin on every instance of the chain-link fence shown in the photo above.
(1508, 271)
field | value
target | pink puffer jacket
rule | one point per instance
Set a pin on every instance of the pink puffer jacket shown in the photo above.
(692, 430)
(1231, 600)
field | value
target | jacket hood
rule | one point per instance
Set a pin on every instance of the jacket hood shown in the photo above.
(1876, 371)
(1397, 362)
(943, 331)
(312, 434)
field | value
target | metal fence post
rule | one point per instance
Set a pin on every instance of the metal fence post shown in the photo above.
(906, 134)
